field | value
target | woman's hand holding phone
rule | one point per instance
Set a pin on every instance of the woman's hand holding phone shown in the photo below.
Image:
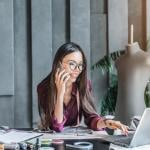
(61, 77)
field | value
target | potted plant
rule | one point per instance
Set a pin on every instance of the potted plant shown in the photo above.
(106, 65)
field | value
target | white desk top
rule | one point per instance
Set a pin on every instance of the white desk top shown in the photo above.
(94, 135)
(115, 147)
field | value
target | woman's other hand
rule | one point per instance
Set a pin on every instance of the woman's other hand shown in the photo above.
(116, 125)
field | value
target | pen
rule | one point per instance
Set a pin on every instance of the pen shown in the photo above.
(37, 144)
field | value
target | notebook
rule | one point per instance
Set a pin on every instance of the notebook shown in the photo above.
(140, 137)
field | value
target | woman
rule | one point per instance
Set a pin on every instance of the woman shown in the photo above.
(65, 94)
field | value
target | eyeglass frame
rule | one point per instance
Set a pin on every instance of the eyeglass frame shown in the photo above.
(76, 65)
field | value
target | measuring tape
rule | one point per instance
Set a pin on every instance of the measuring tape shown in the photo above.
(80, 145)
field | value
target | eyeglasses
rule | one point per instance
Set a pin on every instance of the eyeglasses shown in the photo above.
(73, 65)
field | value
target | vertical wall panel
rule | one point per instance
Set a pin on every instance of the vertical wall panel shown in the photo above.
(117, 24)
(58, 23)
(6, 48)
(80, 26)
(137, 17)
(7, 111)
(41, 47)
(148, 21)
(98, 50)
(22, 97)
(98, 6)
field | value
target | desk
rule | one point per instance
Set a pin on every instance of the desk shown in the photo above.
(97, 138)
(34, 138)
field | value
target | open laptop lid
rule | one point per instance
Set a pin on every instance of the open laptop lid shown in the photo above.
(142, 134)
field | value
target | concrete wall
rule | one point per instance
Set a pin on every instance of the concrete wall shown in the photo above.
(148, 22)
(117, 24)
(137, 17)
(41, 47)
(7, 48)
(34, 30)
(80, 26)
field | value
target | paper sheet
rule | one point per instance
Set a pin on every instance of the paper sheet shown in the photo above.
(93, 135)
(16, 136)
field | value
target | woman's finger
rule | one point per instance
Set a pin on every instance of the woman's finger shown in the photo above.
(63, 77)
(60, 74)
(124, 129)
(56, 74)
(67, 78)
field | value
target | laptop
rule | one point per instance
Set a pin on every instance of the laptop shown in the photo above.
(138, 138)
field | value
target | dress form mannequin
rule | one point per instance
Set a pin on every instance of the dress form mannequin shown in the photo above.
(133, 74)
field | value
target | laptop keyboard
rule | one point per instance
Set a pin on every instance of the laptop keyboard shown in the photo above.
(126, 139)
(122, 140)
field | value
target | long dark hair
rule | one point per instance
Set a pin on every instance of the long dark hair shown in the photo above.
(47, 91)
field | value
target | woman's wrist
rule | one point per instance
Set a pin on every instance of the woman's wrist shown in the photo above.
(102, 123)
(59, 101)
(60, 97)
(105, 122)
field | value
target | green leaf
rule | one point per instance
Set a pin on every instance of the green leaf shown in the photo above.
(147, 96)
(106, 64)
